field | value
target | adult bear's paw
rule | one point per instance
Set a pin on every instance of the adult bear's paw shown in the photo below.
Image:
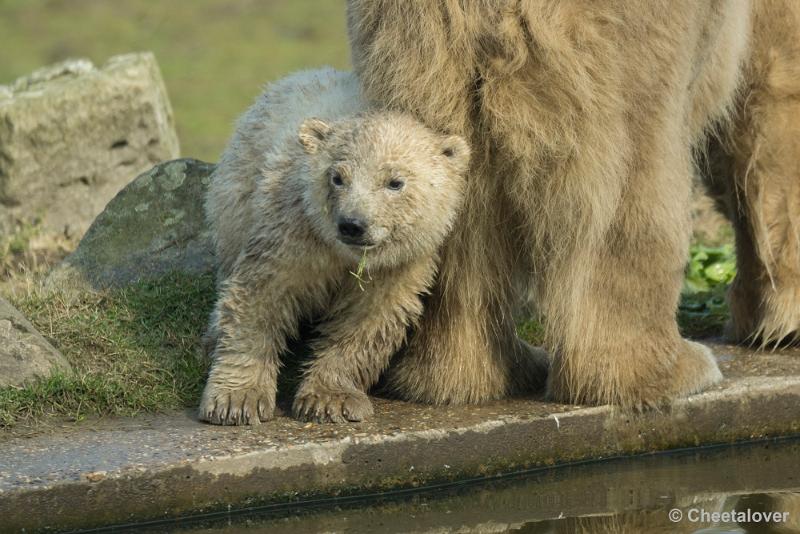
(695, 370)
(649, 377)
(242, 406)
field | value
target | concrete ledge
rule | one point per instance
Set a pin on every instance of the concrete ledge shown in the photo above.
(170, 465)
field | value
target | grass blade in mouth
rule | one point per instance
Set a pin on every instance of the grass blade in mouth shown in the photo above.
(361, 269)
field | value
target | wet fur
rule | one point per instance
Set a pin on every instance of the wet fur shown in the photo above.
(273, 212)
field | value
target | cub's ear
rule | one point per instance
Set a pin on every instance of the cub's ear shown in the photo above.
(312, 133)
(456, 149)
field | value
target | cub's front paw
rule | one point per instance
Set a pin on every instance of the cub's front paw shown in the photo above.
(325, 405)
(244, 406)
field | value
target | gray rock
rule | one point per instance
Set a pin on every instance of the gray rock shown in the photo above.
(69, 67)
(154, 226)
(71, 136)
(24, 353)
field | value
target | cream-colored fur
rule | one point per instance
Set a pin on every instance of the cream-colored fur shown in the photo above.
(755, 176)
(295, 205)
(583, 117)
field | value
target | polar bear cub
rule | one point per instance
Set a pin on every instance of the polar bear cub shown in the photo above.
(322, 208)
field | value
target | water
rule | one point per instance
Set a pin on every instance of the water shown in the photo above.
(646, 494)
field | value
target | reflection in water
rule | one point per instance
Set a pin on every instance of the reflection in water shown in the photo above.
(679, 492)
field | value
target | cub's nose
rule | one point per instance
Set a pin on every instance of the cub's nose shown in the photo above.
(352, 230)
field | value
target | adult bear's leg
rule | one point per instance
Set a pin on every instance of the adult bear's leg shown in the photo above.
(614, 335)
(465, 349)
(420, 57)
(610, 278)
(595, 121)
(756, 176)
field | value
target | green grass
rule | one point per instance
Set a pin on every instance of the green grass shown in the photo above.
(531, 331)
(215, 55)
(133, 350)
(18, 241)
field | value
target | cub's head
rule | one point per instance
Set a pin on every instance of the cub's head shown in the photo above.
(382, 184)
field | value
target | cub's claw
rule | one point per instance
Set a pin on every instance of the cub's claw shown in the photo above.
(225, 406)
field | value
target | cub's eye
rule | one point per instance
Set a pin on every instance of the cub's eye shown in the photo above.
(396, 184)
(336, 178)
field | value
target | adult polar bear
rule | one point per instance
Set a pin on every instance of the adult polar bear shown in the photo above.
(584, 116)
